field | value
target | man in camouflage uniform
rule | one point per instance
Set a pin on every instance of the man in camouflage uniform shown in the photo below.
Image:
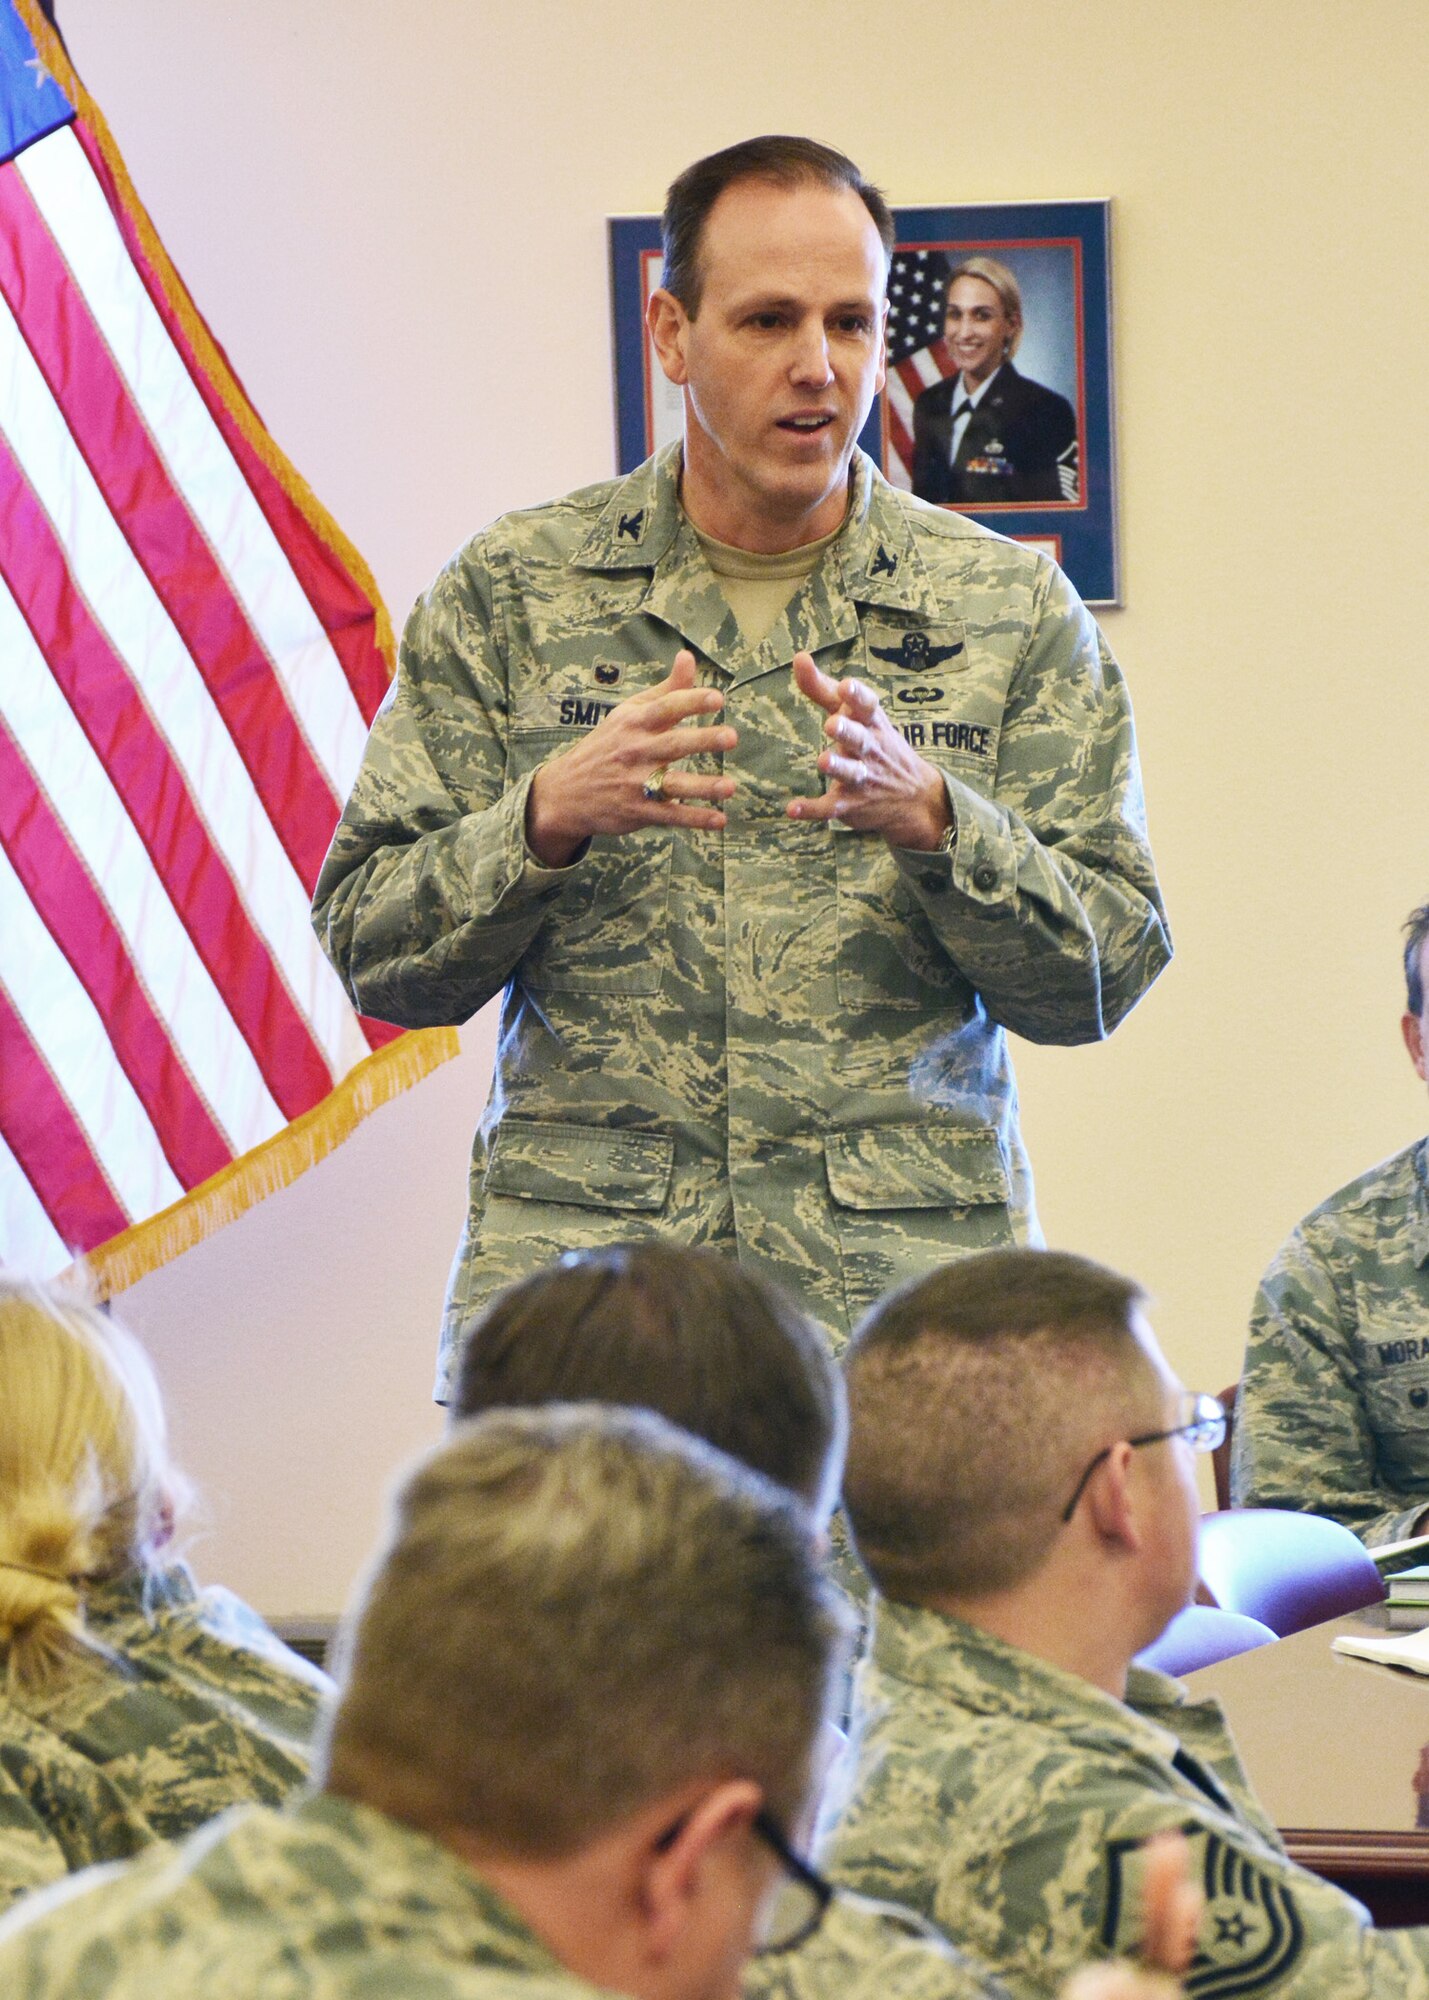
(551, 1805)
(1020, 1485)
(1333, 1413)
(740, 1009)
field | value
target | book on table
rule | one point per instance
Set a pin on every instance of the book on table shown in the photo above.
(1409, 1586)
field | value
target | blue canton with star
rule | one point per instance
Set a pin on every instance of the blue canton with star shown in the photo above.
(917, 287)
(31, 102)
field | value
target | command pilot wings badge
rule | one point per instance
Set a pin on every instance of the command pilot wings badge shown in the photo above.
(1250, 1932)
(916, 652)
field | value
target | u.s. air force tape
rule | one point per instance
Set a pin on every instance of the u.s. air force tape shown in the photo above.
(1250, 1934)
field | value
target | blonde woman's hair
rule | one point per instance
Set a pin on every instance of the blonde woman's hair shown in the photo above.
(86, 1488)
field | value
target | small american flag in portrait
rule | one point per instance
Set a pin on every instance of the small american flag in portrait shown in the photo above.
(917, 358)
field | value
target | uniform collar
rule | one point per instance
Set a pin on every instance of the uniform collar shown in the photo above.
(1419, 1221)
(640, 521)
(875, 561)
(141, 1591)
(878, 558)
(411, 1881)
(876, 551)
(986, 1676)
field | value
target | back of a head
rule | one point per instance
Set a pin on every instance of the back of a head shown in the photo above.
(577, 1611)
(976, 1396)
(686, 1333)
(84, 1472)
(779, 158)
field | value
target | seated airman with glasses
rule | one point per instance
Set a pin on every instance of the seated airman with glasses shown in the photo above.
(576, 1713)
(733, 1359)
(1021, 1485)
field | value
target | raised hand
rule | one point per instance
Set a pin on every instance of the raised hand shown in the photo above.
(877, 783)
(1171, 1906)
(619, 778)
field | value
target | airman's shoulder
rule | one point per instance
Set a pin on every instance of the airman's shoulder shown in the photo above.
(549, 531)
(1382, 1199)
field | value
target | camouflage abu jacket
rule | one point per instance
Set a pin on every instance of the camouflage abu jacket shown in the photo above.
(198, 1707)
(1333, 1413)
(1007, 1800)
(871, 1951)
(329, 1901)
(332, 1901)
(786, 1039)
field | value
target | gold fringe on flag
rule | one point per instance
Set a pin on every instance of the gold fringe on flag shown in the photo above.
(378, 1078)
(381, 1076)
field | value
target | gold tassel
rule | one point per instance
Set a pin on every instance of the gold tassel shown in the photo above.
(224, 1196)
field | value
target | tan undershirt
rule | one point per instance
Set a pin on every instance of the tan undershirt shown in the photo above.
(758, 587)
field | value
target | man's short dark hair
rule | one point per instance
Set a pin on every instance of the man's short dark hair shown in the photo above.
(723, 1353)
(577, 1611)
(776, 157)
(976, 1395)
(1416, 929)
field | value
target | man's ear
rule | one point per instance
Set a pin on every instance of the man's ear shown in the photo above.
(1111, 1503)
(678, 1864)
(667, 323)
(882, 348)
(1414, 1042)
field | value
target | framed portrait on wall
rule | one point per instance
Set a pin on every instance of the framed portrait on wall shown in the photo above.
(998, 402)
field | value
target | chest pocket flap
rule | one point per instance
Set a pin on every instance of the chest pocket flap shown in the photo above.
(915, 1166)
(580, 1166)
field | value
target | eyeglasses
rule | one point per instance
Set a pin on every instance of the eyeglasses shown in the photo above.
(797, 1911)
(1203, 1426)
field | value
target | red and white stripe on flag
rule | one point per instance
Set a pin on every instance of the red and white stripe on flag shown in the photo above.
(190, 654)
(907, 379)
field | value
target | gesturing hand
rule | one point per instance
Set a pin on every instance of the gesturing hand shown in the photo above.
(1171, 1907)
(616, 779)
(877, 783)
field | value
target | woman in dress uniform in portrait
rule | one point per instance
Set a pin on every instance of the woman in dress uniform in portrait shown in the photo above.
(986, 435)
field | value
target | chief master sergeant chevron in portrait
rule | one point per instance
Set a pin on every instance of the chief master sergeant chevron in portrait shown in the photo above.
(773, 797)
(1020, 1483)
(1333, 1415)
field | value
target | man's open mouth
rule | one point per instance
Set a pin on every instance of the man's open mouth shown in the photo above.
(815, 422)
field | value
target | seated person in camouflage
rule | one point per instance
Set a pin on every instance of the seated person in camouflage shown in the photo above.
(732, 1359)
(134, 1706)
(541, 1776)
(1333, 1415)
(1021, 1485)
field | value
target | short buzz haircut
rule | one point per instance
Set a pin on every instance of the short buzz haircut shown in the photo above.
(777, 158)
(1416, 930)
(994, 272)
(578, 1611)
(976, 1397)
(684, 1332)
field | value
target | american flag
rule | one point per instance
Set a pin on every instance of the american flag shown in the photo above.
(190, 653)
(917, 358)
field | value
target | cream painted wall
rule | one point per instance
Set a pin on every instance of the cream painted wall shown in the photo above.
(393, 218)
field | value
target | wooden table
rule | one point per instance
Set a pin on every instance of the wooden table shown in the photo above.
(1338, 1752)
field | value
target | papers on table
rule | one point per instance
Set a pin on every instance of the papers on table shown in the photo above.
(1412, 1650)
